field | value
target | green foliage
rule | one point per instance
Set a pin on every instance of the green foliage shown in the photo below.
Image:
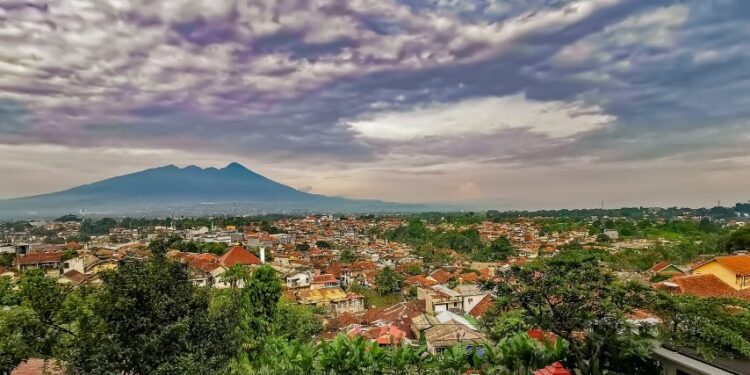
(302, 247)
(296, 322)
(151, 320)
(8, 296)
(568, 295)
(413, 269)
(499, 323)
(90, 227)
(499, 250)
(347, 256)
(714, 326)
(388, 281)
(323, 244)
(6, 259)
(260, 298)
(69, 218)
(739, 239)
(343, 355)
(18, 333)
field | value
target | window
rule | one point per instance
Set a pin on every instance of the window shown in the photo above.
(471, 300)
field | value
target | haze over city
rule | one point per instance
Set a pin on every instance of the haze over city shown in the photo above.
(514, 104)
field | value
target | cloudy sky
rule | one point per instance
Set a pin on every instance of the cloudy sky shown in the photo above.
(515, 103)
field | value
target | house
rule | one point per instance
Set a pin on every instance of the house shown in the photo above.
(81, 263)
(665, 268)
(444, 335)
(481, 307)
(471, 294)
(325, 280)
(418, 281)
(72, 277)
(239, 255)
(335, 298)
(556, 368)
(298, 279)
(441, 276)
(440, 298)
(734, 270)
(50, 262)
(707, 285)
(400, 313)
(451, 317)
(38, 366)
(203, 269)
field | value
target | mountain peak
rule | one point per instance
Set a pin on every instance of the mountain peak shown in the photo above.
(234, 166)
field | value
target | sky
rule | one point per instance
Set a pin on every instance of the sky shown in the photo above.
(498, 103)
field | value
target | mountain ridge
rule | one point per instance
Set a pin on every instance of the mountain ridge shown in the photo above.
(189, 190)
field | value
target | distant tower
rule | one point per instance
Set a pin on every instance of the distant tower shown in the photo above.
(263, 255)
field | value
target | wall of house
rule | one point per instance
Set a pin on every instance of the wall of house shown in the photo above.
(471, 301)
(726, 275)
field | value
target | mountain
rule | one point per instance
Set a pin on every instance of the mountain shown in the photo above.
(192, 190)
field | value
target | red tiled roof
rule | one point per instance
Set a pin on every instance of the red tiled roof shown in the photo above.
(37, 366)
(389, 334)
(469, 277)
(556, 368)
(441, 276)
(324, 278)
(238, 255)
(363, 265)
(482, 306)
(75, 276)
(659, 266)
(420, 280)
(37, 258)
(706, 285)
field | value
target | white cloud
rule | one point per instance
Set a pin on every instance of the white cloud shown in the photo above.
(484, 115)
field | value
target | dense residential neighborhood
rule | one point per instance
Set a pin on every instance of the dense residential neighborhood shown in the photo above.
(420, 281)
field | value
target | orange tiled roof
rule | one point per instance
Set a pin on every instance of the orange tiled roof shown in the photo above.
(659, 266)
(482, 307)
(441, 276)
(739, 264)
(420, 280)
(554, 369)
(324, 278)
(238, 255)
(706, 285)
(37, 258)
(470, 277)
(38, 366)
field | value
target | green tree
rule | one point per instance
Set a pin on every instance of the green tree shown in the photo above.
(739, 239)
(347, 256)
(260, 298)
(296, 322)
(572, 295)
(714, 326)
(499, 249)
(323, 244)
(150, 319)
(8, 296)
(388, 281)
